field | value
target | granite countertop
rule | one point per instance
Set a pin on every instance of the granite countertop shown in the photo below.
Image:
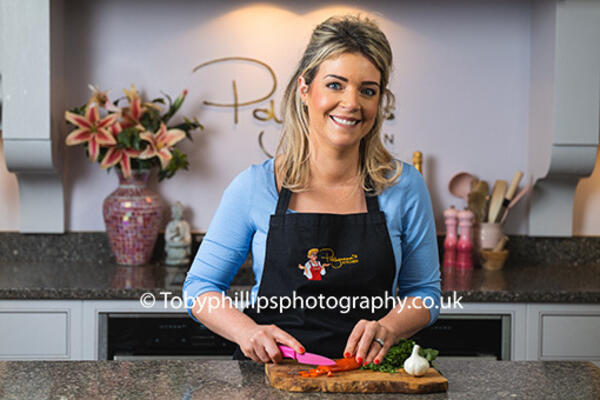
(213, 380)
(556, 283)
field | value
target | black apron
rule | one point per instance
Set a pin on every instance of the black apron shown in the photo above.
(361, 261)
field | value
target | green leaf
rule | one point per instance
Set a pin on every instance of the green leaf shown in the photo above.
(178, 161)
(429, 354)
(173, 108)
(397, 354)
(137, 142)
(168, 98)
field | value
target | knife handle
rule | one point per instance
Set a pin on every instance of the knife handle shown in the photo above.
(287, 352)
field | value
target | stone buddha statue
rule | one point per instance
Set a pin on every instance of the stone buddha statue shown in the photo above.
(178, 237)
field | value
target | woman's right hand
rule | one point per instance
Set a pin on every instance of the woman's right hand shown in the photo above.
(260, 343)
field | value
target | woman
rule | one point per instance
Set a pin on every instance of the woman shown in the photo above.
(332, 187)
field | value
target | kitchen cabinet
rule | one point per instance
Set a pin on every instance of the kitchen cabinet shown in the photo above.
(40, 330)
(59, 329)
(563, 332)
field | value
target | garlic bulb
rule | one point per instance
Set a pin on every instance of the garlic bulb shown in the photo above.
(415, 364)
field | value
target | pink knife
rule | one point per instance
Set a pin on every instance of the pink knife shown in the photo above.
(305, 358)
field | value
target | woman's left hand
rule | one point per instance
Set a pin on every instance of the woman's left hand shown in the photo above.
(362, 344)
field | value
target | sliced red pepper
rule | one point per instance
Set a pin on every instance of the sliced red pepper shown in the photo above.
(341, 364)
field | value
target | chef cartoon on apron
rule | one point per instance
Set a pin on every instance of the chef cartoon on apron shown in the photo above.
(313, 269)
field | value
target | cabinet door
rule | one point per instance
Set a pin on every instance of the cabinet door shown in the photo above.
(40, 330)
(564, 332)
(576, 336)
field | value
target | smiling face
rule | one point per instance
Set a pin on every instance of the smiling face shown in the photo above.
(342, 101)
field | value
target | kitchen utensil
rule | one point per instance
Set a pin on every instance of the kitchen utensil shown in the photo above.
(501, 244)
(477, 198)
(509, 194)
(515, 200)
(460, 184)
(285, 376)
(493, 260)
(305, 358)
(496, 199)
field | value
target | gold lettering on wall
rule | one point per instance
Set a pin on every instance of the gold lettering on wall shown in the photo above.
(264, 114)
(261, 114)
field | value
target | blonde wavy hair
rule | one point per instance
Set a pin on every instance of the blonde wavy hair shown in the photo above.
(333, 37)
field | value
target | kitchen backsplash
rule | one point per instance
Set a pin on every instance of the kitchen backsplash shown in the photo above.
(94, 246)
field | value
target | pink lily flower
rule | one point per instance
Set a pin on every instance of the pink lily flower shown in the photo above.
(133, 113)
(91, 129)
(100, 97)
(116, 155)
(159, 144)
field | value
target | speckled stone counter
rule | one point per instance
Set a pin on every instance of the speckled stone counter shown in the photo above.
(213, 380)
(558, 283)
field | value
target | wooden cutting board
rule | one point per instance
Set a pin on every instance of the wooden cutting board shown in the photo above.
(285, 376)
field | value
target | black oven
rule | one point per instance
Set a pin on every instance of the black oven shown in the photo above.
(464, 336)
(159, 336)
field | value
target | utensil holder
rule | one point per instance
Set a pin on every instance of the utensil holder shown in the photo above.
(486, 236)
(490, 234)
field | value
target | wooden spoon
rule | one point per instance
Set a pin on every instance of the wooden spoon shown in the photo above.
(460, 185)
(496, 199)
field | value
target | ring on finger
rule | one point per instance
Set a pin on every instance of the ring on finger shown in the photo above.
(379, 341)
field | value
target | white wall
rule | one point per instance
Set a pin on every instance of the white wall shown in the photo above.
(461, 79)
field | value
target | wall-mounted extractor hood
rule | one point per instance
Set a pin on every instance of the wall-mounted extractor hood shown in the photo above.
(31, 67)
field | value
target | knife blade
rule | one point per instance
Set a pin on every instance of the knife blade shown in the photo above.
(305, 358)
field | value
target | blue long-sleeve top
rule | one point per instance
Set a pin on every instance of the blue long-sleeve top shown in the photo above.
(241, 223)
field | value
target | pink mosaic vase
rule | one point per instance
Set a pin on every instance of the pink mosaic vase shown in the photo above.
(132, 215)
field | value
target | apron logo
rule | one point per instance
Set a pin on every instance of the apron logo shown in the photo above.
(337, 262)
(313, 269)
